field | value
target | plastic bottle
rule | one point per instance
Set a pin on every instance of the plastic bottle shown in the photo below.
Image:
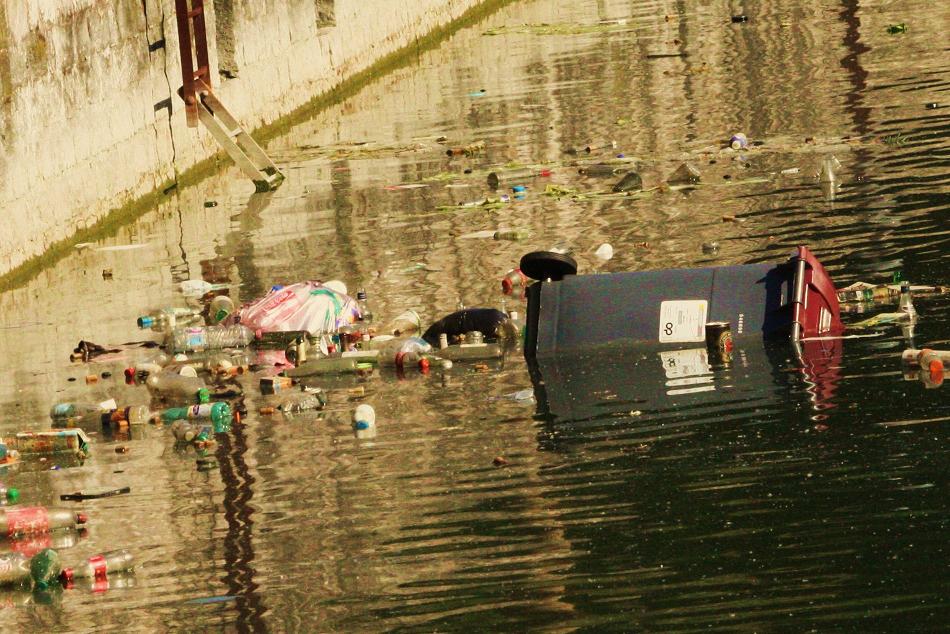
(98, 566)
(220, 309)
(168, 318)
(199, 338)
(364, 421)
(187, 431)
(8, 495)
(218, 413)
(313, 399)
(906, 303)
(19, 569)
(471, 351)
(510, 234)
(604, 252)
(510, 176)
(26, 520)
(172, 385)
(366, 314)
(77, 414)
(406, 323)
(334, 364)
(514, 283)
(738, 141)
(73, 440)
(403, 353)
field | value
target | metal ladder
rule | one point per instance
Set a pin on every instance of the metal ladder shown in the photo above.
(202, 106)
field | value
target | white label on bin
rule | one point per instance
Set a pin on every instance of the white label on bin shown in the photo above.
(683, 363)
(683, 321)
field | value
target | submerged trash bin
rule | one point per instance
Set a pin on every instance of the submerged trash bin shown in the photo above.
(667, 308)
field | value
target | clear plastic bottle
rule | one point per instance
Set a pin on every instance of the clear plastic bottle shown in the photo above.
(471, 352)
(200, 338)
(406, 323)
(168, 318)
(27, 520)
(906, 302)
(80, 414)
(366, 314)
(188, 431)
(171, 385)
(19, 569)
(514, 283)
(98, 566)
(403, 353)
(334, 364)
(303, 401)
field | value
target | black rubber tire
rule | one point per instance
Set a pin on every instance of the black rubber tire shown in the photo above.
(548, 265)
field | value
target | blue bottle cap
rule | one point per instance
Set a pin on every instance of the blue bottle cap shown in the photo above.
(276, 287)
(145, 322)
(362, 424)
(519, 188)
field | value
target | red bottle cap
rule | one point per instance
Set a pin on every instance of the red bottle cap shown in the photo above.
(81, 518)
(545, 173)
(424, 365)
(506, 286)
(936, 371)
(66, 576)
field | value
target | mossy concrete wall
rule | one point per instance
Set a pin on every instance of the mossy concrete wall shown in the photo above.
(89, 116)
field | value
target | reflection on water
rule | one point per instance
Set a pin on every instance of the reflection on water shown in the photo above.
(803, 491)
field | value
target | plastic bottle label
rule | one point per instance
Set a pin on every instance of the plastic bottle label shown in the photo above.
(31, 519)
(200, 411)
(195, 338)
(98, 563)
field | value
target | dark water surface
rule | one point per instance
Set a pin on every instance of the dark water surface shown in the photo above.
(779, 501)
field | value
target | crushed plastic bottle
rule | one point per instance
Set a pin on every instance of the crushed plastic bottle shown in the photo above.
(514, 283)
(303, 401)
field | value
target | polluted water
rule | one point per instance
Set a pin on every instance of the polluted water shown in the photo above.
(666, 487)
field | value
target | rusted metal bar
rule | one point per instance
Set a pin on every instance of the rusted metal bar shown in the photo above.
(193, 46)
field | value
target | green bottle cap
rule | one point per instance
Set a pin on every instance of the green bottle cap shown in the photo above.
(13, 495)
(204, 395)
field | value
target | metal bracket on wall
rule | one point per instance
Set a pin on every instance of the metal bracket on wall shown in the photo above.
(202, 106)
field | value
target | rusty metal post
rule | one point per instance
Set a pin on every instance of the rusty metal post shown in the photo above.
(191, 20)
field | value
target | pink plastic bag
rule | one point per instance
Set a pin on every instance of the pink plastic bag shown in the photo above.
(309, 306)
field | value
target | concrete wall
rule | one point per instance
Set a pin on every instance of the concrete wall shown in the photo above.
(89, 116)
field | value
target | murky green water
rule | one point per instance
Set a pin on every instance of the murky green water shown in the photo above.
(776, 502)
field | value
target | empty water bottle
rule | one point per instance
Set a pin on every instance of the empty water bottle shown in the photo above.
(80, 414)
(199, 338)
(366, 315)
(168, 318)
(171, 385)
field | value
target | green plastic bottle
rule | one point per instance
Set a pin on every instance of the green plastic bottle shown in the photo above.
(218, 413)
(45, 567)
